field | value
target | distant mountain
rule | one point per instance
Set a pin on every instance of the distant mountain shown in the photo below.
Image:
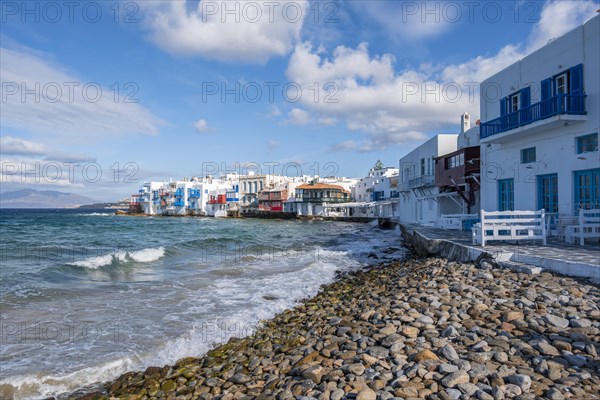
(30, 198)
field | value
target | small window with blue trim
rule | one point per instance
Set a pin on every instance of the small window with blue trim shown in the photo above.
(528, 155)
(587, 143)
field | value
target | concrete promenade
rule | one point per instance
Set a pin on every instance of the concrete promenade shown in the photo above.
(531, 257)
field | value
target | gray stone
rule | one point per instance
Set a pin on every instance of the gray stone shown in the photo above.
(554, 394)
(455, 378)
(240, 379)
(468, 388)
(479, 371)
(449, 352)
(454, 393)
(556, 321)
(447, 368)
(580, 323)
(575, 359)
(378, 352)
(511, 390)
(521, 380)
(425, 320)
(546, 349)
(481, 395)
(450, 331)
(497, 393)
(389, 340)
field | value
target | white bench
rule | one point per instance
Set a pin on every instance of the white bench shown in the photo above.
(454, 221)
(588, 227)
(510, 225)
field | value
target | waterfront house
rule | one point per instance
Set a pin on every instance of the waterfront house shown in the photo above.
(457, 174)
(252, 184)
(539, 135)
(376, 185)
(311, 198)
(272, 199)
(418, 193)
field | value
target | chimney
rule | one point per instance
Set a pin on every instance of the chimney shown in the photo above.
(465, 122)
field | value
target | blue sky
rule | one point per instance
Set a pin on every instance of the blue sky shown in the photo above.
(173, 59)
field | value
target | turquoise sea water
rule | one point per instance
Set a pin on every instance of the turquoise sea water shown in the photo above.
(86, 296)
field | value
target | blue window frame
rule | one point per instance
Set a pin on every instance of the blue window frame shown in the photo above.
(506, 194)
(586, 188)
(587, 143)
(547, 186)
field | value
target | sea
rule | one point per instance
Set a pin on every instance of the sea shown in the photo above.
(87, 295)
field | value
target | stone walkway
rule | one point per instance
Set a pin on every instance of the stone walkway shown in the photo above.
(557, 256)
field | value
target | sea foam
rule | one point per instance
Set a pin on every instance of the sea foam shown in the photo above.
(121, 256)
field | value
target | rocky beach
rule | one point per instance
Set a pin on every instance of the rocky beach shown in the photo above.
(417, 329)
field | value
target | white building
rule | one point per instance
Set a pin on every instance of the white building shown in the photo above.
(250, 185)
(457, 174)
(418, 199)
(376, 185)
(539, 140)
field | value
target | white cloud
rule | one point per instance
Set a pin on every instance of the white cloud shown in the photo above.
(253, 31)
(63, 104)
(17, 146)
(371, 97)
(559, 17)
(298, 116)
(391, 106)
(201, 126)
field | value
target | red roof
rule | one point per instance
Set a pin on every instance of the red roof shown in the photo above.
(320, 186)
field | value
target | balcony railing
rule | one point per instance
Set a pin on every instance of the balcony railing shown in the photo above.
(423, 180)
(557, 105)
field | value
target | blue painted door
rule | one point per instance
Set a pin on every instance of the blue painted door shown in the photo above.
(547, 186)
(506, 195)
(586, 188)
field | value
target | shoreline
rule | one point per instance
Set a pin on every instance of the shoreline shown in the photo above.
(420, 328)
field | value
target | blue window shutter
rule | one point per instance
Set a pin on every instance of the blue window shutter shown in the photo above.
(525, 103)
(525, 97)
(503, 106)
(576, 83)
(546, 89)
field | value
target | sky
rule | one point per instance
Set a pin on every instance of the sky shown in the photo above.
(100, 96)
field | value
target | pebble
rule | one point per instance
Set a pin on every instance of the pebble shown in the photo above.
(557, 321)
(455, 378)
(421, 328)
(449, 353)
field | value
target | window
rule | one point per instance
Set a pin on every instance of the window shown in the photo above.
(587, 143)
(562, 84)
(587, 189)
(528, 155)
(455, 161)
(514, 102)
(506, 195)
(422, 166)
(548, 192)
